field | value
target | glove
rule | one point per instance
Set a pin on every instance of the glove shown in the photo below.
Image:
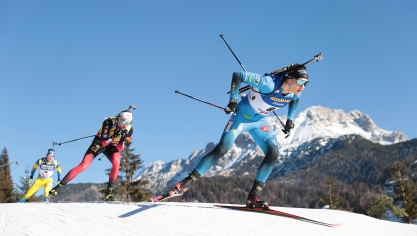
(231, 107)
(59, 181)
(128, 139)
(30, 180)
(288, 126)
(117, 132)
(103, 143)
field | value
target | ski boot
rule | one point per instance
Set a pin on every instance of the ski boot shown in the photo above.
(182, 186)
(253, 200)
(56, 189)
(109, 193)
(179, 188)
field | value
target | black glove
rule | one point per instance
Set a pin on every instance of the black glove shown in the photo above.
(231, 107)
(288, 126)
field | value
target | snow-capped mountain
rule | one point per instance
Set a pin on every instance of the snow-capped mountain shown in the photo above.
(316, 130)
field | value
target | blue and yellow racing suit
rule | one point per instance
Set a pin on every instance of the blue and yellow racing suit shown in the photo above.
(46, 170)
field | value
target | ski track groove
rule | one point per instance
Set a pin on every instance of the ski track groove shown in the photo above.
(15, 224)
(19, 225)
(3, 222)
(98, 223)
(90, 220)
(236, 225)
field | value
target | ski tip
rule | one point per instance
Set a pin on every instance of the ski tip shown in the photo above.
(164, 197)
(155, 199)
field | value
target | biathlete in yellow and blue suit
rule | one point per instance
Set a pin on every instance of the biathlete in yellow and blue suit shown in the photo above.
(46, 165)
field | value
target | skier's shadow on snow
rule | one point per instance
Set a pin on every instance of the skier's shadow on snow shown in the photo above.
(140, 209)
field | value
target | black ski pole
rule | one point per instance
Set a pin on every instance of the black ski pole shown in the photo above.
(176, 91)
(317, 58)
(221, 36)
(280, 121)
(76, 139)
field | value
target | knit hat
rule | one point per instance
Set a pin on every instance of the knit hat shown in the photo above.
(298, 73)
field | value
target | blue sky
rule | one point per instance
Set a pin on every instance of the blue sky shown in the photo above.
(65, 65)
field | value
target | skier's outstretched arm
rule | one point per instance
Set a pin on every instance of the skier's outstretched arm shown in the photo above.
(58, 170)
(292, 107)
(34, 167)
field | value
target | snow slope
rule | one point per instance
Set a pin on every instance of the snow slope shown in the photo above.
(181, 219)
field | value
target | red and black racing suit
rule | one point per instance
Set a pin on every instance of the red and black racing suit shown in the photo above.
(109, 141)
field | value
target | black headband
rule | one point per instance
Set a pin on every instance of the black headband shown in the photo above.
(299, 73)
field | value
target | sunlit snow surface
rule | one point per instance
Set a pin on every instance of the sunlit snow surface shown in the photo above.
(181, 219)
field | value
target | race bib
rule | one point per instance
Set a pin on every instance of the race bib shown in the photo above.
(46, 171)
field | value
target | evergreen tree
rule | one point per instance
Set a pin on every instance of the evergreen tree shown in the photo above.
(405, 192)
(24, 186)
(332, 200)
(7, 192)
(381, 204)
(129, 165)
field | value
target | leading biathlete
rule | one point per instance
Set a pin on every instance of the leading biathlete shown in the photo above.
(270, 92)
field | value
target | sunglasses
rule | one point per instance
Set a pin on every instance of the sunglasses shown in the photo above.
(301, 82)
(126, 122)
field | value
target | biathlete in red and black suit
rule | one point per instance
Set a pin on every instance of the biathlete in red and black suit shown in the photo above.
(110, 140)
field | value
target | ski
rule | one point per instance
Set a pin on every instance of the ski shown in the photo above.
(114, 202)
(277, 213)
(164, 197)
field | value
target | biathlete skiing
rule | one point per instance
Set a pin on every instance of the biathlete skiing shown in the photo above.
(46, 165)
(269, 92)
(109, 140)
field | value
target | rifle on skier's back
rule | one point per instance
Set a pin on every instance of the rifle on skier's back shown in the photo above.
(285, 70)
